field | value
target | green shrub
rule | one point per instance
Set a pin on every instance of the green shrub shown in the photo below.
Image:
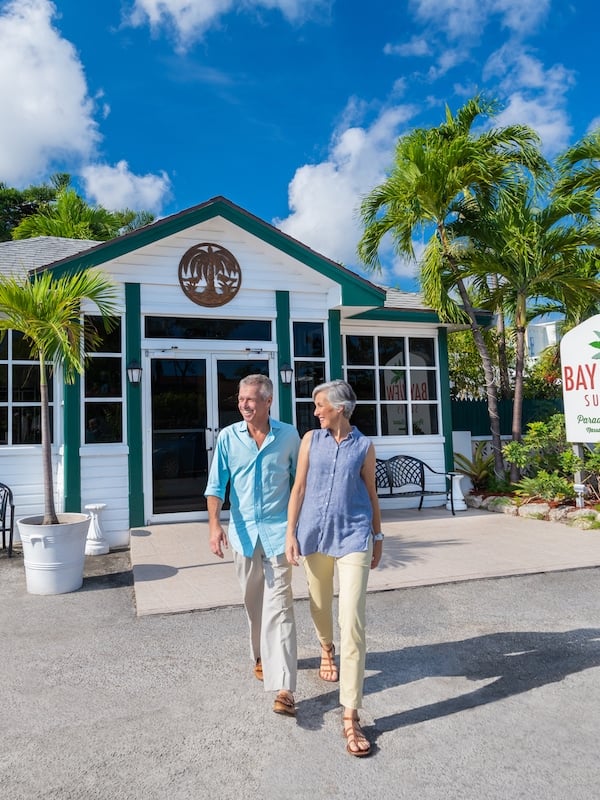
(544, 448)
(548, 486)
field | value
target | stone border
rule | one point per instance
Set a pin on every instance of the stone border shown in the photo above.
(583, 518)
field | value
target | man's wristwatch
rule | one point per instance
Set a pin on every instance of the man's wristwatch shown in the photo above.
(378, 537)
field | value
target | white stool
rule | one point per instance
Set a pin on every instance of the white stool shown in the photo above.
(95, 544)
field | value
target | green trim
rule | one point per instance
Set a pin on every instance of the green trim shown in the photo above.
(397, 315)
(404, 315)
(133, 351)
(284, 350)
(445, 398)
(72, 443)
(356, 291)
(335, 345)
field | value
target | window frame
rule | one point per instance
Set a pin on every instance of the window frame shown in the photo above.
(375, 405)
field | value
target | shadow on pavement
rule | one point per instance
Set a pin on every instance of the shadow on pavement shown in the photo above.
(514, 662)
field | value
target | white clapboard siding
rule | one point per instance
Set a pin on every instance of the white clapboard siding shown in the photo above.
(105, 479)
(263, 267)
(21, 470)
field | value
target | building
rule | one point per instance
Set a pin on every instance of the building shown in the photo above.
(207, 296)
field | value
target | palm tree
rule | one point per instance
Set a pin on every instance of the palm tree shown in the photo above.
(536, 254)
(579, 166)
(47, 311)
(440, 175)
(69, 216)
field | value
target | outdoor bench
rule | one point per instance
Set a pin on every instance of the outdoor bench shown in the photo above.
(7, 516)
(404, 476)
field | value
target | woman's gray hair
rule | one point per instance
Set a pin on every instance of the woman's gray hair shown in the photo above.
(265, 385)
(340, 394)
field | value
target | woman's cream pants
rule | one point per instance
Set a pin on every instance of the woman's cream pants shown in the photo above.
(353, 574)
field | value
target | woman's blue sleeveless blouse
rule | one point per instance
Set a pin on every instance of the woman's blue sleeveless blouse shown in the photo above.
(336, 515)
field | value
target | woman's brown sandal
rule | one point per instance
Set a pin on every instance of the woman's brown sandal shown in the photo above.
(328, 670)
(355, 737)
(284, 704)
(258, 671)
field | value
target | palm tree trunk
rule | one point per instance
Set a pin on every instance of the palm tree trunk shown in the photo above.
(517, 415)
(50, 517)
(491, 390)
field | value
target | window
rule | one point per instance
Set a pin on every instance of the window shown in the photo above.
(395, 380)
(103, 386)
(309, 370)
(20, 417)
(201, 328)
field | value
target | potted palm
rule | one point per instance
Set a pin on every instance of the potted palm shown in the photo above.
(47, 312)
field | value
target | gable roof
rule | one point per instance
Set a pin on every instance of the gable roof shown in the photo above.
(356, 291)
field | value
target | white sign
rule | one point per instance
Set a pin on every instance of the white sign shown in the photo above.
(580, 360)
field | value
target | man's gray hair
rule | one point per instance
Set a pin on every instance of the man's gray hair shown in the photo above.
(264, 383)
(340, 394)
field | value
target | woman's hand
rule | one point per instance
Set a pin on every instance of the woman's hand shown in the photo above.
(292, 552)
(377, 553)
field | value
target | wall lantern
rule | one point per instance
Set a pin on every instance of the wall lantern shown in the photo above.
(134, 372)
(286, 373)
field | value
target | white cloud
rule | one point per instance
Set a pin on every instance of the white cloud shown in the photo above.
(43, 93)
(324, 198)
(190, 19)
(418, 46)
(468, 18)
(536, 95)
(117, 188)
(595, 123)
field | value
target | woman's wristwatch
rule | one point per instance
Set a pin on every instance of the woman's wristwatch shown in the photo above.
(378, 537)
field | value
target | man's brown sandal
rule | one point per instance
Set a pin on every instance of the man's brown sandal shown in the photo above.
(355, 737)
(328, 670)
(258, 673)
(284, 704)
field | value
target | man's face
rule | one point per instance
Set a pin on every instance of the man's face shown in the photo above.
(253, 408)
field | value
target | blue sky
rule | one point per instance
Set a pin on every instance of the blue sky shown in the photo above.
(290, 108)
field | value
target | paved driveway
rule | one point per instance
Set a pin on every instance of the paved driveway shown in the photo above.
(482, 689)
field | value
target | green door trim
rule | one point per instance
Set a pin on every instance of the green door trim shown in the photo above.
(284, 350)
(133, 352)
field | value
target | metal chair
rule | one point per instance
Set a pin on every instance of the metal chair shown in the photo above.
(7, 506)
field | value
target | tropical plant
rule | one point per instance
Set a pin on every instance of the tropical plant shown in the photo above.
(546, 485)
(544, 447)
(534, 252)
(479, 469)
(71, 217)
(16, 204)
(465, 369)
(47, 312)
(68, 215)
(439, 176)
(542, 380)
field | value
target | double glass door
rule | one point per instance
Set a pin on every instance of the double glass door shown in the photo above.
(191, 399)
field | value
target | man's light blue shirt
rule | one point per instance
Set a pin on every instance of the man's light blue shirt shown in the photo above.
(260, 482)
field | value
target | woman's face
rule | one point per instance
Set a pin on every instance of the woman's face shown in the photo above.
(327, 415)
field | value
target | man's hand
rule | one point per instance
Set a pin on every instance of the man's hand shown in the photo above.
(218, 540)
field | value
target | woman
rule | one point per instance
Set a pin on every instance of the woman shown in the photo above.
(334, 518)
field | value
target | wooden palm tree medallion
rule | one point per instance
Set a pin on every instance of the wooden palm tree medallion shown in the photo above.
(209, 275)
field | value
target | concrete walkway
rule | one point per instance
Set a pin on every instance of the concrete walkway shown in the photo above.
(174, 570)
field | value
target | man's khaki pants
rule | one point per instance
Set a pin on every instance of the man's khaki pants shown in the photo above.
(267, 591)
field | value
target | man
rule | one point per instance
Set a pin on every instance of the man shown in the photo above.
(257, 457)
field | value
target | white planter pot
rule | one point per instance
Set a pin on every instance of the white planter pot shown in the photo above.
(54, 555)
